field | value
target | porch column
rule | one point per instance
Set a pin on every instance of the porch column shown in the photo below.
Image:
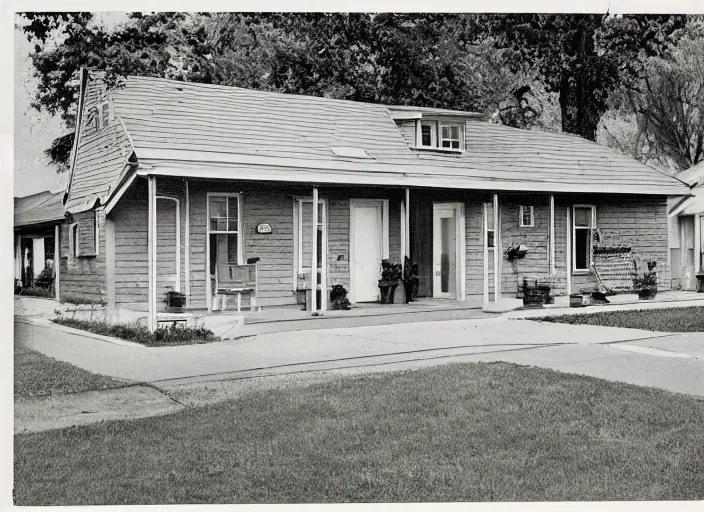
(403, 235)
(57, 262)
(698, 242)
(151, 248)
(497, 250)
(407, 223)
(18, 258)
(485, 251)
(551, 250)
(568, 250)
(187, 249)
(314, 258)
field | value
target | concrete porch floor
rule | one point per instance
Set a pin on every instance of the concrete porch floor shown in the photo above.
(230, 325)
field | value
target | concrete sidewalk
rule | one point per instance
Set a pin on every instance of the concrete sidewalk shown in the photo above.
(330, 349)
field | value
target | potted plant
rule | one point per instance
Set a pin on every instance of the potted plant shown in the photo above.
(646, 285)
(391, 277)
(410, 279)
(338, 298)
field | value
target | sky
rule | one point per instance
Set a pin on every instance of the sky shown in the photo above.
(34, 131)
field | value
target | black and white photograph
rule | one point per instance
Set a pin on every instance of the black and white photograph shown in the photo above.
(374, 256)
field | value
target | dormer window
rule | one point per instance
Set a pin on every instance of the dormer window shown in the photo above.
(429, 134)
(440, 135)
(452, 136)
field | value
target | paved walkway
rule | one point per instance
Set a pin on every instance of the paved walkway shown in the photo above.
(669, 361)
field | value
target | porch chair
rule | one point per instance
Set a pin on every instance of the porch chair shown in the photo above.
(240, 279)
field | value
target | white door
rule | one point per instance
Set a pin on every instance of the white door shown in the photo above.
(366, 250)
(447, 251)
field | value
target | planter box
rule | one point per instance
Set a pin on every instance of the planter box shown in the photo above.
(387, 291)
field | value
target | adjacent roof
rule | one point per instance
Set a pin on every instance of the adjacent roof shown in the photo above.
(42, 208)
(694, 177)
(189, 129)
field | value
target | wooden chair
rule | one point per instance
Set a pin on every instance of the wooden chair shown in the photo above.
(240, 279)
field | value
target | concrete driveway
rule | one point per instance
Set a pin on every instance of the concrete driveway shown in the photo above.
(670, 361)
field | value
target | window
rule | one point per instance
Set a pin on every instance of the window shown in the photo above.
(525, 215)
(428, 134)
(92, 120)
(452, 136)
(224, 234)
(104, 114)
(583, 224)
(489, 225)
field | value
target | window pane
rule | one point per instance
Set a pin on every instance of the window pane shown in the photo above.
(446, 144)
(582, 251)
(456, 144)
(221, 225)
(232, 209)
(231, 248)
(582, 217)
(527, 220)
(490, 215)
(455, 131)
(232, 225)
(446, 132)
(490, 238)
(426, 137)
(218, 207)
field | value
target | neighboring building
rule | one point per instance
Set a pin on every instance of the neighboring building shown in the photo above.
(172, 183)
(686, 230)
(37, 221)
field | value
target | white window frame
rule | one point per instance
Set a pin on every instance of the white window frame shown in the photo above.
(433, 134)
(208, 232)
(460, 140)
(298, 230)
(591, 229)
(521, 211)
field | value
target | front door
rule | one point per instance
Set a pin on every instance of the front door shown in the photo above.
(367, 248)
(447, 246)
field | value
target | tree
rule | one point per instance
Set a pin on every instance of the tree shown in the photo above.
(172, 45)
(584, 57)
(660, 119)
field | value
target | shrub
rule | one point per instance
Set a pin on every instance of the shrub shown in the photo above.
(36, 292)
(140, 334)
(649, 280)
(391, 271)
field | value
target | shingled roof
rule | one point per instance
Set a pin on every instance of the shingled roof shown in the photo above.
(181, 128)
(42, 208)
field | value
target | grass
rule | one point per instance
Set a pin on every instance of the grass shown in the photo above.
(462, 432)
(37, 375)
(163, 336)
(690, 319)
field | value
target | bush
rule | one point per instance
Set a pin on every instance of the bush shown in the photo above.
(391, 271)
(338, 298)
(140, 334)
(36, 292)
(648, 281)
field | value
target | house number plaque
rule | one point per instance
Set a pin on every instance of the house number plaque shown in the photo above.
(264, 228)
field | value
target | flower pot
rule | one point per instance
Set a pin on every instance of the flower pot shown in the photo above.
(386, 291)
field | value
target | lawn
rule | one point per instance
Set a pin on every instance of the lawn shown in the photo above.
(37, 375)
(689, 319)
(462, 432)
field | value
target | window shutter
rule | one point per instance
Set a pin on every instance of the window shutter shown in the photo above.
(65, 249)
(87, 222)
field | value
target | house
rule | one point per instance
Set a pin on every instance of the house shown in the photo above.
(686, 230)
(36, 237)
(172, 184)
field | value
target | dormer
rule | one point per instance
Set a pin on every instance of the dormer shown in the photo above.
(433, 129)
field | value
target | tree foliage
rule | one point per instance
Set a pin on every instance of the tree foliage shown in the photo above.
(660, 119)
(584, 57)
(510, 66)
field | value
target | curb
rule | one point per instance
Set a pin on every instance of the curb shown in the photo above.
(77, 332)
